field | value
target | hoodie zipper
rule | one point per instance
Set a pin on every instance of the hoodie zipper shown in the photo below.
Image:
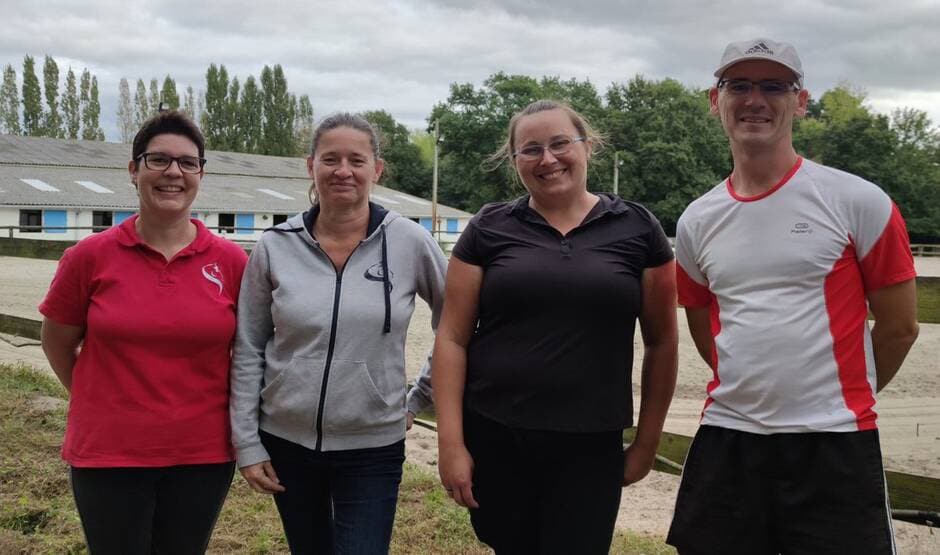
(329, 350)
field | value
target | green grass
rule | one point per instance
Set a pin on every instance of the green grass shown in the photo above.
(37, 514)
(928, 300)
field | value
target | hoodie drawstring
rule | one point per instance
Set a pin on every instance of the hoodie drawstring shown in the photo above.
(386, 284)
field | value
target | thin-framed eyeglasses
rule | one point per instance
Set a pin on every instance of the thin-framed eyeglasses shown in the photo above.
(769, 87)
(558, 146)
(158, 162)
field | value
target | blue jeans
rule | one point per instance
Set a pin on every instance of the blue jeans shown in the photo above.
(339, 502)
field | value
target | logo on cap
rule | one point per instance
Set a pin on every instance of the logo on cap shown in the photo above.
(759, 48)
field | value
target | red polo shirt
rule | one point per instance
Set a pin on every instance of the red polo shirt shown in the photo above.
(150, 386)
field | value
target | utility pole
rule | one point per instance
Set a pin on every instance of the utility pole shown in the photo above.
(616, 172)
(434, 184)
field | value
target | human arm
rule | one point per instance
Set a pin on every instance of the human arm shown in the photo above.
(60, 343)
(458, 321)
(699, 320)
(894, 308)
(658, 379)
(255, 327)
(432, 269)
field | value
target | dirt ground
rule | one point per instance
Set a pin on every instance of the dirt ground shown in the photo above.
(909, 409)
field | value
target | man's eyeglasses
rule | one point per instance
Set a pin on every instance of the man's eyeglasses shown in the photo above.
(158, 162)
(557, 147)
(769, 87)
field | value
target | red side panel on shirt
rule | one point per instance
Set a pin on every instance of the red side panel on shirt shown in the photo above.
(848, 311)
(714, 314)
(889, 261)
(691, 294)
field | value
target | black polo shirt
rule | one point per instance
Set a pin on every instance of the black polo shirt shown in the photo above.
(553, 348)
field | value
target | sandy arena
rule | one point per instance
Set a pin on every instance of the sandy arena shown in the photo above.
(909, 408)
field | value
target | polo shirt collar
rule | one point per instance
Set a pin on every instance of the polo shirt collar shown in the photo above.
(607, 204)
(127, 236)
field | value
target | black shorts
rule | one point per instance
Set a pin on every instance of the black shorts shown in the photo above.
(782, 493)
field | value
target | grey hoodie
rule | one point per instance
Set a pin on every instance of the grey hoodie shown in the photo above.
(319, 354)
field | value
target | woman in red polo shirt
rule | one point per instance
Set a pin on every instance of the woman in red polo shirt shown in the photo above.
(138, 326)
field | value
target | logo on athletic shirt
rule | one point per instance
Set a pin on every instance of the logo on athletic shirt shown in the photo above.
(801, 228)
(213, 273)
(759, 48)
(375, 273)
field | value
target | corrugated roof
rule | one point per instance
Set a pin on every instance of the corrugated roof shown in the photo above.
(234, 182)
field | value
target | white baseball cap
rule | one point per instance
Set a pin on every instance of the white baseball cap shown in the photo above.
(762, 49)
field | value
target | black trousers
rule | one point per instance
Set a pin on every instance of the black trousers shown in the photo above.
(169, 509)
(544, 492)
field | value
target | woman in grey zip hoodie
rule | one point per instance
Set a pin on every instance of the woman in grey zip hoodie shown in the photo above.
(318, 403)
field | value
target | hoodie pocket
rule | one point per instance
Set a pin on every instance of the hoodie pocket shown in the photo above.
(291, 398)
(353, 402)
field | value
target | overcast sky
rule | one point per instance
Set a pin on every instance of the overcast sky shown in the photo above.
(402, 55)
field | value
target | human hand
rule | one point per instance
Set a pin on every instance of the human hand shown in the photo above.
(262, 478)
(455, 466)
(638, 461)
(411, 420)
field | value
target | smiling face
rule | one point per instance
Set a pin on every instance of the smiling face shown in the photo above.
(755, 119)
(551, 174)
(169, 192)
(343, 167)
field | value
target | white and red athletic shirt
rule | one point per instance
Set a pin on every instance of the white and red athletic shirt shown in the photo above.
(785, 275)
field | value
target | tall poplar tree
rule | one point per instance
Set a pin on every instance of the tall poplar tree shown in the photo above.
(125, 112)
(278, 113)
(303, 125)
(251, 116)
(91, 108)
(10, 102)
(233, 139)
(189, 103)
(52, 121)
(170, 97)
(70, 107)
(32, 99)
(84, 98)
(154, 99)
(214, 111)
(141, 104)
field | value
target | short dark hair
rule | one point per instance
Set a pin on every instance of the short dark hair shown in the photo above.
(352, 121)
(171, 122)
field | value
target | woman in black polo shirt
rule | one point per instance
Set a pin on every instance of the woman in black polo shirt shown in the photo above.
(532, 374)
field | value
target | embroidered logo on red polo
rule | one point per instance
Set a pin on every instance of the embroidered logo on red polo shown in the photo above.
(213, 273)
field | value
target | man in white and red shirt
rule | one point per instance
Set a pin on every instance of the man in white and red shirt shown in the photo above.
(778, 267)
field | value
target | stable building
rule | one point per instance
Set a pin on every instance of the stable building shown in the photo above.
(60, 189)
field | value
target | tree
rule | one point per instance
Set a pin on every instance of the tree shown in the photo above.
(168, 93)
(251, 116)
(405, 168)
(84, 99)
(141, 105)
(91, 127)
(189, 103)
(52, 122)
(71, 107)
(214, 113)
(154, 98)
(278, 113)
(234, 141)
(32, 99)
(303, 125)
(473, 125)
(125, 112)
(672, 150)
(9, 103)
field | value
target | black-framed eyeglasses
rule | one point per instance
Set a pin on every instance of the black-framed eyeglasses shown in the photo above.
(158, 162)
(557, 147)
(769, 87)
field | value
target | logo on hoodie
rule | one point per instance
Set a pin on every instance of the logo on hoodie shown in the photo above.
(213, 273)
(375, 273)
